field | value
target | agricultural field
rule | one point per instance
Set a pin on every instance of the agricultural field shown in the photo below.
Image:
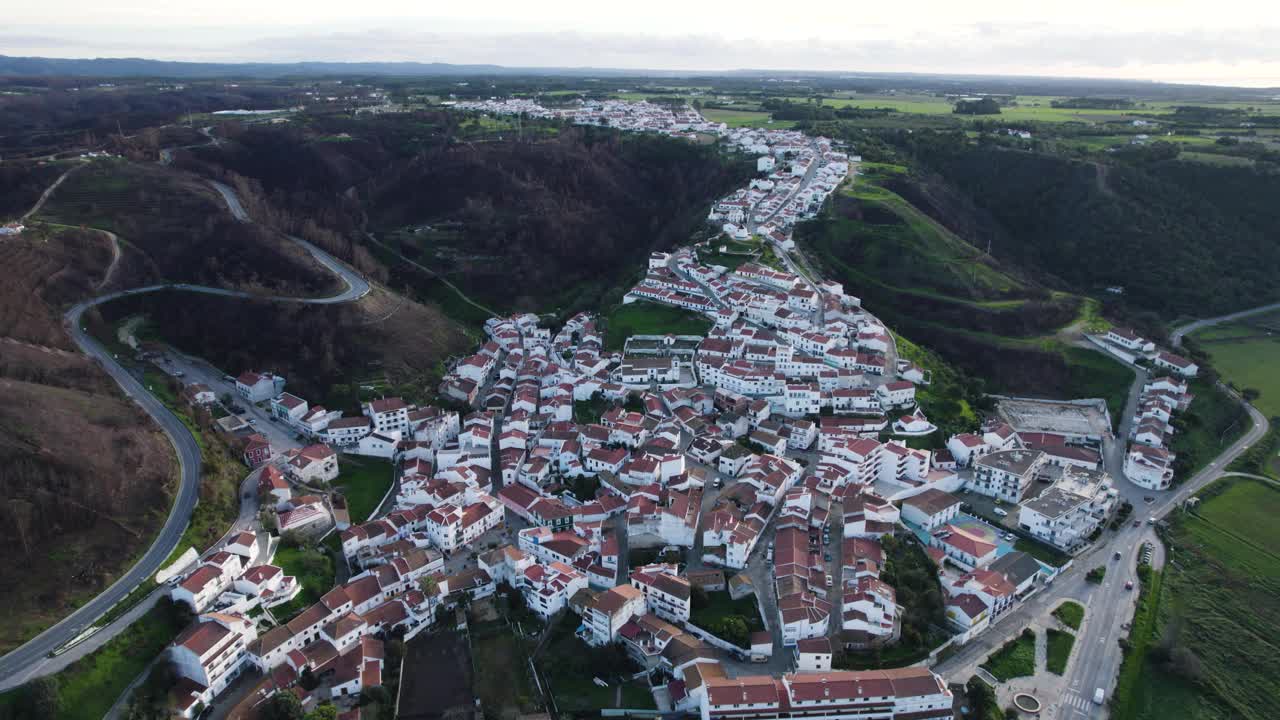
(1214, 653)
(1247, 355)
(746, 118)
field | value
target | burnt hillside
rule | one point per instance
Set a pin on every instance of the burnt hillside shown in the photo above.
(559, 218)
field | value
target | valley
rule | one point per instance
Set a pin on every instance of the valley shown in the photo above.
(521, 310)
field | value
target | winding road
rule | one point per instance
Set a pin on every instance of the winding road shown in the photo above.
(24, 662)
(1096, 662)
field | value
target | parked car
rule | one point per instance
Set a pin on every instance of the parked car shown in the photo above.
(1137, 523)
(828, 581)
(826, 556)
(1128, 584)
(1098, 696)
(1000, 511)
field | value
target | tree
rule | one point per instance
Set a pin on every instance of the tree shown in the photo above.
(283, 706)
(1250, 394)
(985, 106)
(327, 711)
(42, 699)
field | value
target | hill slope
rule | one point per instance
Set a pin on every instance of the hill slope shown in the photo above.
(87, 478)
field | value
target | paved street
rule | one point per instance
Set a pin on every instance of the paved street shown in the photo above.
(19, 663)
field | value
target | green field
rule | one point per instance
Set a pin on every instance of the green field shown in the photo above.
(1016, 659)
(644, 318)
(1214, 654)
(1059, 644)
(1247, 355)
(745, 118)
(503, 682)
(363, 482)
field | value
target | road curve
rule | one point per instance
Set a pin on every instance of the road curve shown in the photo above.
(19, 664)
(1176, 335)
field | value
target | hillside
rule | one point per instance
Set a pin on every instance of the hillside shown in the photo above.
(990, 319)
(183, 228)
(384, 340)
(1180, 238)
(74, 517)
(567, 212)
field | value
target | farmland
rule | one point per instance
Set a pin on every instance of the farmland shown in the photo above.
(745, 118)
(1214, 653)
(1247, 354)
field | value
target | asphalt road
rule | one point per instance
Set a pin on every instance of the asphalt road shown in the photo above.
(1175, 337)
(1096, 660)
(23, 661)
(23, 658)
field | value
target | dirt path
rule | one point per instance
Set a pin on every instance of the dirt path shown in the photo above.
(433, 274)
(44, 196)
(1102, 170)
(115, 258)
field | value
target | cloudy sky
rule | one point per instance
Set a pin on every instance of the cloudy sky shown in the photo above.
(1226, 42)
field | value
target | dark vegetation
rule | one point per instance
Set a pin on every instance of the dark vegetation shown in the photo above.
(1140, 226)
(569, 215)
(914, 578)
(985, 106)
(184, 229)
(327, 352)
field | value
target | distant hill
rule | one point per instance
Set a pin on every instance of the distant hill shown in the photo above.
(142, 67)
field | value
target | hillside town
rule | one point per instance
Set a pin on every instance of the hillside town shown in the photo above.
(779, 463)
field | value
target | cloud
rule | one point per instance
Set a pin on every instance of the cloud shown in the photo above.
(986, 47)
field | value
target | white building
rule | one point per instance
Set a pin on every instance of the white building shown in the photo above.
(1007, 474)
(211, 653)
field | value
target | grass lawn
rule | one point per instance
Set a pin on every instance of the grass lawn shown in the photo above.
(1248, 357)
(1071, 614)
(364, 482)
(88, 687)
(1016, 659)
(642, 318)
(1093, 374)
(1059, 647)
(314, 570)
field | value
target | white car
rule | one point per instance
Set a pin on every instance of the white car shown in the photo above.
(1000, 511)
